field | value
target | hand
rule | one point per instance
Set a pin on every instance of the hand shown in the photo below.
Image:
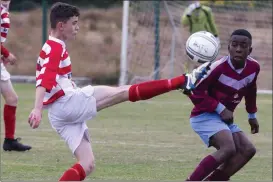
(34, 118)
(192, 7)
(254, 125)
(227, 116)
(10, 59)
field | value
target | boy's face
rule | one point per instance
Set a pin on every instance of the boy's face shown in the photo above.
(239, 48)
(70, 28)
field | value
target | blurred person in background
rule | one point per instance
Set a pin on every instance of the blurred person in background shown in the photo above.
(200, 18)
(7, 90)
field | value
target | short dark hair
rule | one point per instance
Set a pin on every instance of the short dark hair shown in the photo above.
(61, 12)
(242, 32)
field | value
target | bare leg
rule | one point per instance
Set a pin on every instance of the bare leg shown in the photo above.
(244, 152)
(11, 100)
(223, 141)
(85, 156)
(8, 93)
(85, 164)
(108, 96)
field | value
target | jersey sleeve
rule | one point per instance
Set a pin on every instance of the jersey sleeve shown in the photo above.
(4, 51)
(185, 19)
(251, 96)
(48, 63)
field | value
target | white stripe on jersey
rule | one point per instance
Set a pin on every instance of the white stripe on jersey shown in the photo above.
(236, 84)
(3, 39)
(52, 92)
(213, 66)
(4, 30)
(65, 63)
(44, 61)
(38, 82)
(43, 70)
(5, 20)
(46, 48)
(252, 59)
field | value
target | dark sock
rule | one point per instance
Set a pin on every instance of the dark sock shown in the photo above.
(206, 166)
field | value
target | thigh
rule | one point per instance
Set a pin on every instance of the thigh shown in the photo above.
(208, 125)
(242, 142)
(222, 139)
(7, 89)
(4, 73)
(107, 96)
(234, 131)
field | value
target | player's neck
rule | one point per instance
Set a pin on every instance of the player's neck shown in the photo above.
(57, 35)
(238, 66)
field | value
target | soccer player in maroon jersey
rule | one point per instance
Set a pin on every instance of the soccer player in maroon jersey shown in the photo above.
(10, 143)
(69, 107)
(215, 99)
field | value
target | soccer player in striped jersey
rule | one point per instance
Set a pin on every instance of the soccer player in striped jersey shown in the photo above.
(7, 91)
(69, 107)
(215, 99)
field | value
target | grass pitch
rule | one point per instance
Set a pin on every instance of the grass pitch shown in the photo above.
(148, 140)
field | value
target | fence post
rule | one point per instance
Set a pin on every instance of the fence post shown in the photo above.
(157, 39)
(44, 29)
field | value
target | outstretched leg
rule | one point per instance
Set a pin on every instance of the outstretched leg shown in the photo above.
(108, 96)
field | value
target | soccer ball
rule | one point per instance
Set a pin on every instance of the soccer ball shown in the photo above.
(202, 47)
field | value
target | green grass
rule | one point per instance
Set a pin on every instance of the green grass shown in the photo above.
(149, 140)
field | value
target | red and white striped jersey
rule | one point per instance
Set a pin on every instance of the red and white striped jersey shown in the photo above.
(5, 23)
(53, 70)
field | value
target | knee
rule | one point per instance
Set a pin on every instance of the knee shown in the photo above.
(12, 100)
(248, 150)
(89, 167)
(125, 92)
(229, 150)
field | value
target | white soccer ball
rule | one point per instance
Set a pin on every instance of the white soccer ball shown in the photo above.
(202, 47)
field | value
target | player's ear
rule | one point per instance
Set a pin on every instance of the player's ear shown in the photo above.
(60, 25)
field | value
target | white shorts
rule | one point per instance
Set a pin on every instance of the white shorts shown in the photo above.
(4, 73)
(68, 115)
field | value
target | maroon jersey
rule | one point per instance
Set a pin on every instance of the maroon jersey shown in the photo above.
(224, 86)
